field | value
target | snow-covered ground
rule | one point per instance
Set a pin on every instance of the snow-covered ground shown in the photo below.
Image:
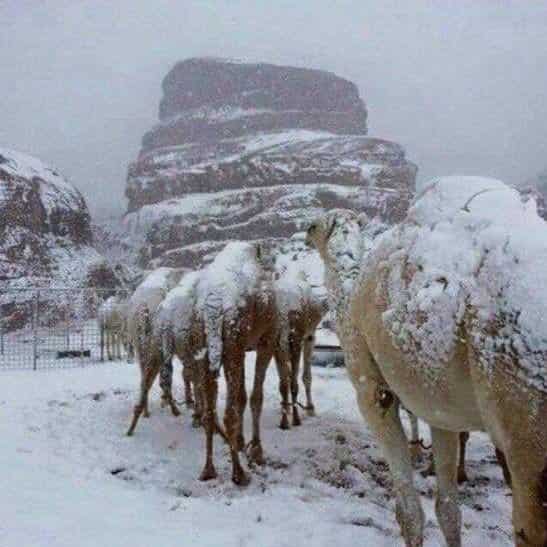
(70, 477)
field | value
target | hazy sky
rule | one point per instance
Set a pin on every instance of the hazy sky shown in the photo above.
(461, 84)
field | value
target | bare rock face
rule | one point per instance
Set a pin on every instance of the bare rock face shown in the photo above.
(45, 236)
(253, 151)
(536, 188)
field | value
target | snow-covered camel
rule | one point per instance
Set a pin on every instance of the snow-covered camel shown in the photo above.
(301, 303)
(142, 307)
(446, 314)
(236, 298)
(112, 319)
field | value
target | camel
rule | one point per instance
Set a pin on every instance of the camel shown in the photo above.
(179, 330)
(301, 305)
(442, 315)
(143, 304)
(111, 319)
(236, 298)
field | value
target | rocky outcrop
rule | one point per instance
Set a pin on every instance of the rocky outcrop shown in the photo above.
(45, 237)
(252, 151)
(537, 189)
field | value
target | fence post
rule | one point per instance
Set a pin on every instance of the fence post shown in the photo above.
(35, 317)
(101, 335)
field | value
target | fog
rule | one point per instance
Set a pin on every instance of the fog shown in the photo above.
(461, 84)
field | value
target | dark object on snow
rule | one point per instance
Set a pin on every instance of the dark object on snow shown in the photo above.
(69, 353)
(328, 356)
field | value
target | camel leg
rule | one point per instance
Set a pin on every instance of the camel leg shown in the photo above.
(118, 346)
(198, 393)
(109, 344)
(284, 382)
(462, 475)
(529, 486)
(415, 448)
(149, 374)
(209, 385)
(446, 446)
(502, 462)
(166, 385)
(380, 409)
(233, 370)
(187, 381)
(295, 350)
(309, 344)
(263, 358)
(242, 405)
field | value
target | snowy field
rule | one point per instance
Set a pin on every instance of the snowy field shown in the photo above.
(72, 478)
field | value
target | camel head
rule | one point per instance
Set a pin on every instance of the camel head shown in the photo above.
(337, 232)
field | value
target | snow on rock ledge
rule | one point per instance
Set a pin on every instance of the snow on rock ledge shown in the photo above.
(249, 151)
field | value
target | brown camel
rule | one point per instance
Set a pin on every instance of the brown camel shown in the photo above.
(237, 301)
(444, 317)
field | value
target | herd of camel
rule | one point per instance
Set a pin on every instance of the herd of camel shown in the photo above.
(241, 302)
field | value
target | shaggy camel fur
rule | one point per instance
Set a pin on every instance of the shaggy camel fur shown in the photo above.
(112, 325)
(143, 304)
(476, 387)
(237, 300)
(301, 308)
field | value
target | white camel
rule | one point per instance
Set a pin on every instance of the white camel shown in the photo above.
(143, 305)
(446, 315)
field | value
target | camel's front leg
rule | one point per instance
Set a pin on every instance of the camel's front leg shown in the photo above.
(446, 448)
(380, 409)
(166, 385)
(282, 363)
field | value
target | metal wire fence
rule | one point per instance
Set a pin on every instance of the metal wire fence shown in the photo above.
(44, 328)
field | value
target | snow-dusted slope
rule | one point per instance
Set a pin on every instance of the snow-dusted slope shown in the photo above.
(45, 234)
(244, 151)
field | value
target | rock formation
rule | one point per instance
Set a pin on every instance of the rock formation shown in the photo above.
(45, 238)
(253, 151)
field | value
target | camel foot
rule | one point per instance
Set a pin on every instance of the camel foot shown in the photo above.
(256, 455)
(310, 411)
(462, 476)
(284, 422)
(196, 421)
(174, 410)
(296, 419)
(240, 478)
(146, 413)
(209, 472)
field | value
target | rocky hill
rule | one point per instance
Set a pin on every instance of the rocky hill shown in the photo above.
(253, 151)
(45, 236)
(537, 188)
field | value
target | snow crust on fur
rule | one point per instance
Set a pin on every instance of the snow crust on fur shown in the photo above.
(225, 285)
(470, 255)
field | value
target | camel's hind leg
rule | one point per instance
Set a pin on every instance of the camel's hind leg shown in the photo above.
(295, 351)
(263, 358)
(282, 365)
(462, 474)
(446, 446)
(309, 344)
(529, 484)
(149, 373)
(233, 371)
(209, 386)
(415, 446)
(187, 381)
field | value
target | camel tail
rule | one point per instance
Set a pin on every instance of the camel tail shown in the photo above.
(214, 321)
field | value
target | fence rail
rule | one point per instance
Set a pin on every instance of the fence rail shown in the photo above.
(46, 328)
